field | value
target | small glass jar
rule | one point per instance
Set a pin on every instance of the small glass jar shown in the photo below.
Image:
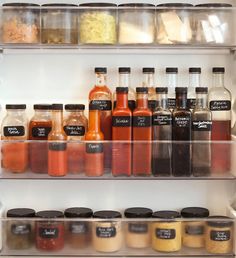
(97, 25)
(138, 234)
(194, 231)
(49, 233)
(59, 24)
(21, 23)
(219, 235)
(78, 233)
(107, 235)
(174, 23)
(136, 24)
(166, 234)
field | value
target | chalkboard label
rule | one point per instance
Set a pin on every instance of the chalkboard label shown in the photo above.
(142, 121)
(48, 233)
(138, 228)
(57, 146)
(121, 121)
(41, 131)
(171, 103)
(94, 147)
(220, 235)
(161, 120)
(101, 104)
(220, 105)
(194, 230)
(14, 130)
(181, 121)
(152, 104)
(191, 103)
(78, 228)
(165, 233)
(21, 229)
(74, 130)
(106, 232)
(202, 125)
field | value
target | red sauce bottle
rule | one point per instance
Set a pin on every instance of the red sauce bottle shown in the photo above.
(121, 131)
(142, 131)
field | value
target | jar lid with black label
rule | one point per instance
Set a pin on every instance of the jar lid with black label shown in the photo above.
(166, 215)
(43, 107)
(78, 212)
(138, 212)
(219, 221)
(107, 214)
(75, 107)
(49, 214)
(21, 213)
(195, 212)
(15, 106)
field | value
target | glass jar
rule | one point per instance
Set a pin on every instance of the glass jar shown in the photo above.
(107, 235)
(137, 234)
(166, 234)
(136, 24)
(219, 235)
(59, 24)
(49, 232)
(214, 23)
(19, 232)
(78, 233)
(174, 23)
(21, 23)
(194, 231)
(97, 25)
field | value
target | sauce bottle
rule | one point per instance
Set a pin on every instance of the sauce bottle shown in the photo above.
(121, 131)
(57, 146)
(142, 131)
(39, 127)
(194, 82)
(172, 83)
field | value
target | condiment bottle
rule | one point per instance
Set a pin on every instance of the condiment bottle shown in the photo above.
(172, 83)
(14, 129)
(94, 154)
(201, 131)
(219, 100)
(39, 127)
(57, 147)
(75, 126)
(181, 135)
(142, 131)
(162, 131)
(194, 82)
(121, 131)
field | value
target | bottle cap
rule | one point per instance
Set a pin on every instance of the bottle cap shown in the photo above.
(181, 89)
(124, 70)
(42, 107)
(142, 89)
(148, 70)
(74, 107)
(171, 70)
(195, 70)
(162, 90)
(122, 89)
(100, 70)
(57, 106)
(15, 106)
(201, 90)
(218, 70)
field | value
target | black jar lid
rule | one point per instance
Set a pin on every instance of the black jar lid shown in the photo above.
(57, 106)
(201, 90)
(21, 213)
(49, 214)
(138, 212)
(142, 89)
(181, 89)
(177, 5)
(216, 5)
(74, 107)
(166, 215)
(136, 5)
(78, 212)
(195, 70)
(20, 5)
(171, 70)
(219, 221)
(124, 70)
(122, 89)
(59, 5)
(100, 70)
(15, 106)
(148, 70)
(43, 106)
(98, 5)
(194, 212)
(218, 70)
(163, 90)
(107, 214)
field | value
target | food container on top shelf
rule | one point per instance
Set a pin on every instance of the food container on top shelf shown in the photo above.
(20, 23)
(174, 23)
(59, 24)
(213, 23)
(136, 23)
(97, 23)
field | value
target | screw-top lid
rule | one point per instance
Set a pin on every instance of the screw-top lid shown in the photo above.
(100, 70)
(20, 5)
(57, 106)
(107, 214)
(43, 106)
(138, 5)
(142, 89)
(201, 90)
(219, 221)
(148, 70)
(122, 89)
(124, 70)
(74, 107)
(21, 213)
(217, 5)
(195, 70)
(138, 212)
(98, 5)
(49, 214)
(163, 90)
(59, 5)
(166, 214)
(181, 89)
(195, 212)
(171, 70)
(218, 70)
(78, 212)
(178, 5)
(15, 106)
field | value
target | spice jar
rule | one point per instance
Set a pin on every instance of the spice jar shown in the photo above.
(194, 231)
(166, 234)
(78, 233)
(137, 234)
(59, 24)
(97, 25)
(136, 24)
(107, 235)
(49, 232)
(219, 235)
(21, 23)
(19, 231)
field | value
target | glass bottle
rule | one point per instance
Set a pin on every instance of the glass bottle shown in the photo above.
(172, 83)
(201, 131)
(39, 127)
(15, 128)
(162, 131)
(75, 126)
(181, 135)
(57, 146)
(219, 100)
(142, 131)
(194, 82)
(121, 131)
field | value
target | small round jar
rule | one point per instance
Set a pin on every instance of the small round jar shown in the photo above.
(194, 231)
(107, 235)
(138, 234)
(49, 232)
(219, 235)
(19, 232)
(166, 234)
(78, 233)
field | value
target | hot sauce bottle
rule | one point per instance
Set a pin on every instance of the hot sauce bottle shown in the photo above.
(57, 146)
(121, 131)
(39, 127)
(142, 131)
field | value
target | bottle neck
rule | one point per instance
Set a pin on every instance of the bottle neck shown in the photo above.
(172, 80)
(148, 80)
(57, 120)
(101, 79)
(42, 113)
(194, 80)
(181, 100)
(122, 100)
(201, 101)
(142, 100)
(94, 120)
(162, 100)
(218, 80)
(16, 112)
(124, 80)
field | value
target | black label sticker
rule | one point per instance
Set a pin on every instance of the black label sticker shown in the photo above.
(138, 228)
(14, 130)
(49, 233)
(94, 147)
(74, 130)
(194, 230)
(101, 104)
(165, 233)
(142, 121)
(171, 103)
(41, 131)
(161, 120)
(78, 227)
(181, 121)
(21, 229)
(152, 104)
(191, 103)
(106, 232)
(121, 121)
(220, 105)
(202, 125)
(57, 146)
(216, 235)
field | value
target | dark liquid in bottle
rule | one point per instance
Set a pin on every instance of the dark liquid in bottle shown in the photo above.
(161, 167)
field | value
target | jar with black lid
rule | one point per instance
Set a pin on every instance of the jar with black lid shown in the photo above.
(20, 232)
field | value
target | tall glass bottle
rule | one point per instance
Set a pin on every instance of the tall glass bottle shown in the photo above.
(181, 135)
(201, 131)
(162, 131)
(194, 82)
(219, 100)
(172, 83)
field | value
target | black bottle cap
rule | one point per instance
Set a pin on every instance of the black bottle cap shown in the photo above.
(219, 221)
(162, 90)
(138, 212)
(181, 89)
(124, 70)
(218, 70)
(122, 89)
(100, 70)
(166, 215)
(78, 212)
(21, 213)
(74, 107)
(171, 70)
(57, 106)
(148, 70)
(49, 214)
(142, 89)
(195, 70)
(107, 214)
(43, 106)
(201, 90)
(15, 106)
(194, 212)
